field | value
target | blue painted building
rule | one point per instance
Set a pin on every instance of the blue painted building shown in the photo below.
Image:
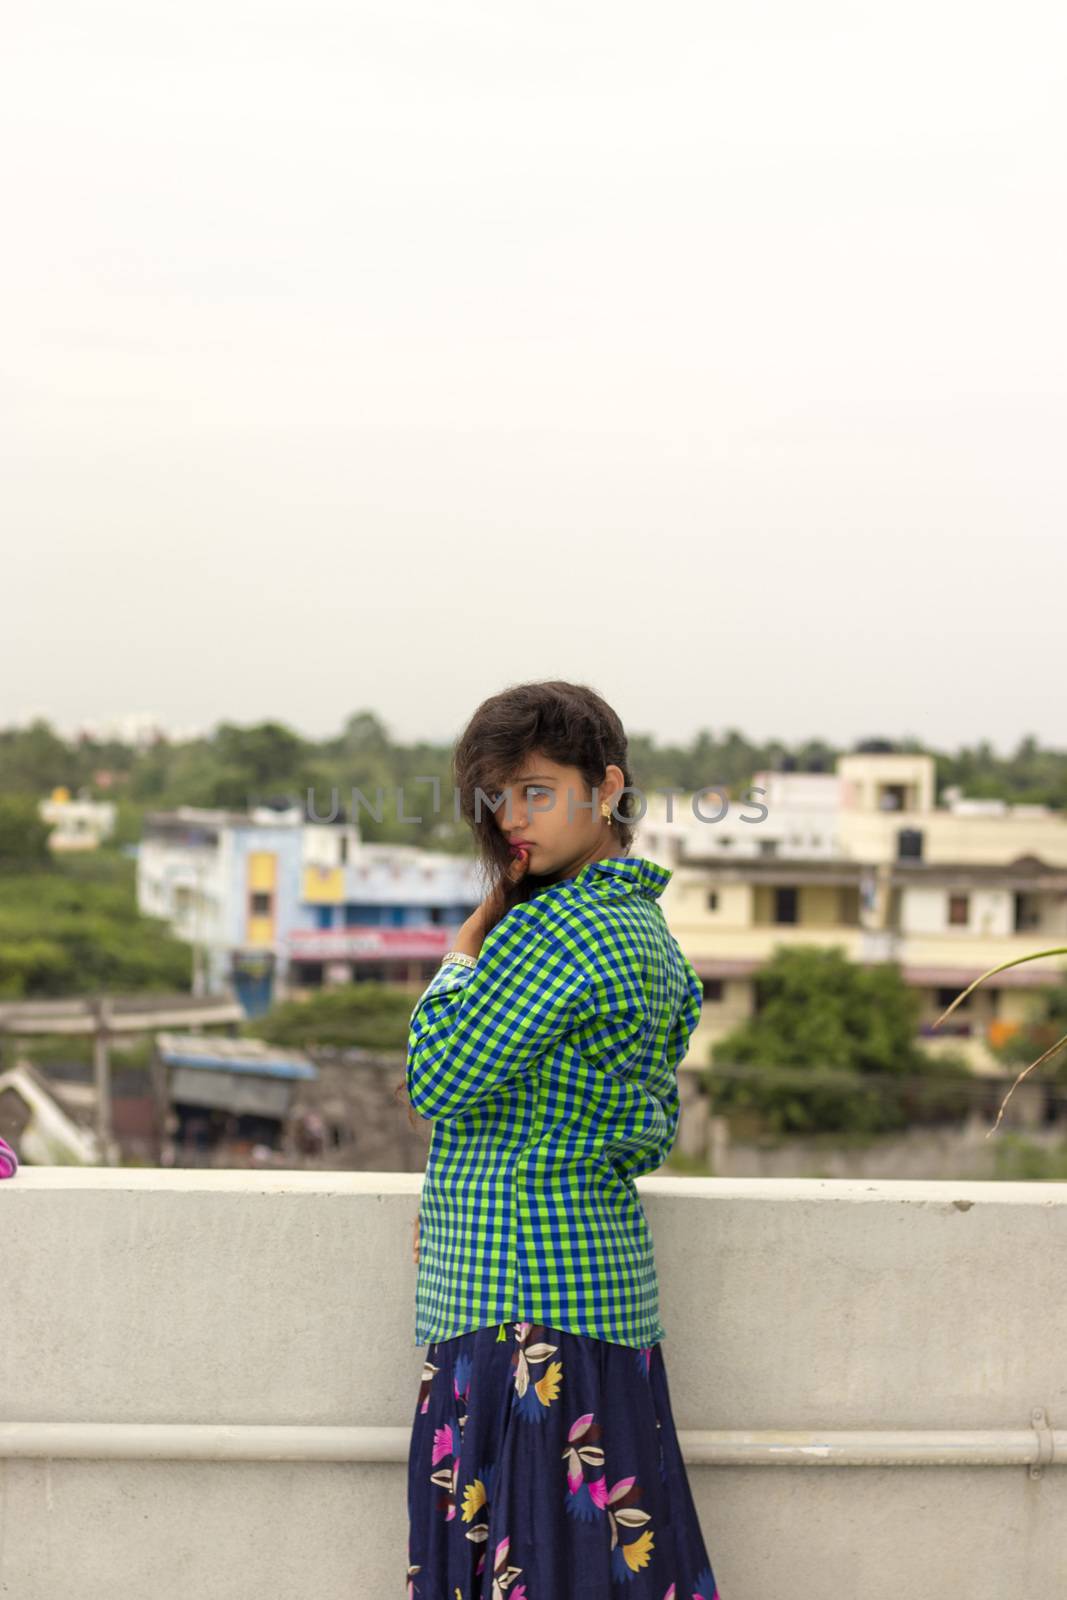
(273, 904)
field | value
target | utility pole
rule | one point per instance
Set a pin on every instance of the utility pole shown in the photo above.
(102, 1074)
(199, 963)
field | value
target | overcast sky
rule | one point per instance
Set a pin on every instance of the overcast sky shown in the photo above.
(365, 355)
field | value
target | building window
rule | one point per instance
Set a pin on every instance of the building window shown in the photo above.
(261, 903)
(785, 905)
(959, 910)
(945, 998)
(363, 916)
(713, 899)
(712, 988)
(768, 847)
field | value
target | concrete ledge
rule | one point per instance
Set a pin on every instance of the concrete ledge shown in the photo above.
(207, 1381)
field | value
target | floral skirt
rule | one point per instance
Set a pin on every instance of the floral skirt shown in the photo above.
(545, 1465)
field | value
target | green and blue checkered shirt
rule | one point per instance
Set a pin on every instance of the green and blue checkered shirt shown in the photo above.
(549, 1070)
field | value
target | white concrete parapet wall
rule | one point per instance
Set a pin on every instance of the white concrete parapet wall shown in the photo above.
(207, 1382)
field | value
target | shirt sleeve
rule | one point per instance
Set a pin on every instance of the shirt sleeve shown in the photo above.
(475, 1028)
(653, 1141)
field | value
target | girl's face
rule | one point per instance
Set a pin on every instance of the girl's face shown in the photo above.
(549, 809)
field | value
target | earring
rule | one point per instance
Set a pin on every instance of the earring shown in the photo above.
(605, 811)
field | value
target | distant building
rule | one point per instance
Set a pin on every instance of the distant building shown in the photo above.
(866, 860)
(224, 1098)
(139, 730)
(273, 904)
(77, 824)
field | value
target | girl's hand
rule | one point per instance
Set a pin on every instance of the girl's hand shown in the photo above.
(471, 935)
(493, 905)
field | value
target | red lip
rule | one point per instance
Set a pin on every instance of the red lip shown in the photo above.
(515, 843)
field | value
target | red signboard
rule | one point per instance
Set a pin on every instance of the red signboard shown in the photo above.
(369, 944)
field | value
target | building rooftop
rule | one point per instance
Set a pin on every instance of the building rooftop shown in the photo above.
(233, 1055)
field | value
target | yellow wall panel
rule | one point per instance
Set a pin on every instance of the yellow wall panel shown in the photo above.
(262, 879)
(324, 886)
(262, 869)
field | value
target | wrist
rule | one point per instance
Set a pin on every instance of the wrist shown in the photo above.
(470, 937)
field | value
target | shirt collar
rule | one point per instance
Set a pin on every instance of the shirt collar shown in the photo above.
(624, 875)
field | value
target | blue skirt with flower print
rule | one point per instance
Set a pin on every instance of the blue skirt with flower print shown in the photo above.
(545, 1465)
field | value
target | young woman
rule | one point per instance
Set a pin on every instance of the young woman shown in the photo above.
(544, 1462)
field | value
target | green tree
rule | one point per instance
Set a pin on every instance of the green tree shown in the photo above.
(367, 1015)
(76, 929)
(257, 762)
(35, 760)
(23, 835)
(827, 1040)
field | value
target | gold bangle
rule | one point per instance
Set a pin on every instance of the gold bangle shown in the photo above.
(458, 958)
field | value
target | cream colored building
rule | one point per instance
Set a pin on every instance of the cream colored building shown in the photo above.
(77, 823)
(867, 860)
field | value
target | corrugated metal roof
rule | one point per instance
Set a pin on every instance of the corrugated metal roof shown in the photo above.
(254, 1056)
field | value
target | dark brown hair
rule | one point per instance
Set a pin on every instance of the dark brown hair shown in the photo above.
(569, 723)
